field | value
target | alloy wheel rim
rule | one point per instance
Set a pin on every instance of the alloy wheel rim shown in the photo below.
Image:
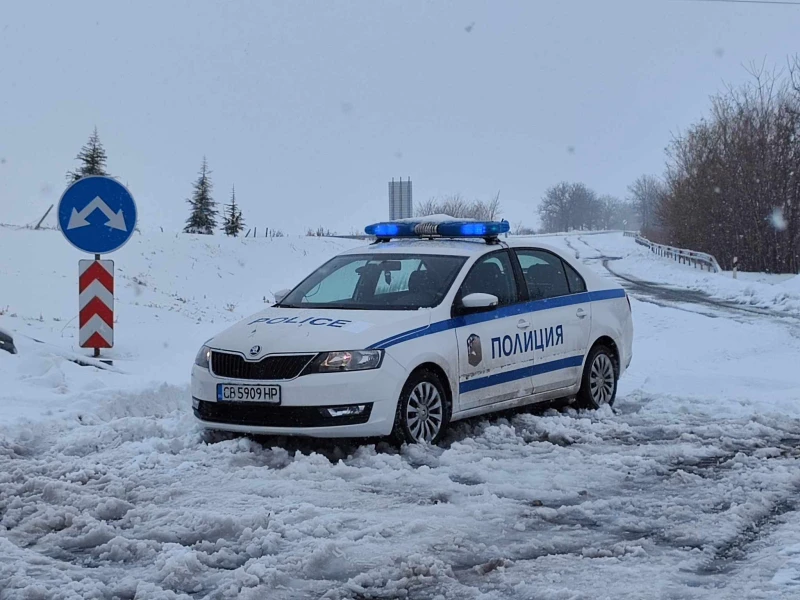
(601, 379)
(424, 412)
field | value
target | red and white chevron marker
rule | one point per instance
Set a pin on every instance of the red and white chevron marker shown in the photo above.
(96, 303)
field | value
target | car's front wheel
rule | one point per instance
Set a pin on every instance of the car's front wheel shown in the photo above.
(423, 410)
(599, 382)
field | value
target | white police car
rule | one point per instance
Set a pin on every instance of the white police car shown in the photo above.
(415, 331)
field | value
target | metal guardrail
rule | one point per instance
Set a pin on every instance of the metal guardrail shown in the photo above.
(681, 255)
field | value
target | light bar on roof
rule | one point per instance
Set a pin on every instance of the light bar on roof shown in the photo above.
(454, 229)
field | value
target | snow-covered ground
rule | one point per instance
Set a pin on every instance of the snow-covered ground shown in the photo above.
(107, 489)
(775, 292)
(173, 292)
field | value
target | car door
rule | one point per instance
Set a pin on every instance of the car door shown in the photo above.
(491, 353)
(561, 316)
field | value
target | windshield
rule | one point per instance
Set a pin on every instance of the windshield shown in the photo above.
(384, 282)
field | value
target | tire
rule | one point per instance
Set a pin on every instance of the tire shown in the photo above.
(599, 380)
(423, 410)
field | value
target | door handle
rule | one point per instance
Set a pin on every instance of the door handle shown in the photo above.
(580, 313)
(523, 323)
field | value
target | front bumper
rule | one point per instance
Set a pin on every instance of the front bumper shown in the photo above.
(301, 399)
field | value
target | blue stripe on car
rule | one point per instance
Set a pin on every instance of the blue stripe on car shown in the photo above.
(470, 385)
(399, 335)
(500, 313)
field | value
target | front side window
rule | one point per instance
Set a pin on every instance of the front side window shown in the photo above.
(492, 274)
(544, 274)
(377, 282)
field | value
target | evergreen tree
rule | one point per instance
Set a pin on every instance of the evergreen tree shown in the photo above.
(233, 223)
(92, 157)
(203, 218)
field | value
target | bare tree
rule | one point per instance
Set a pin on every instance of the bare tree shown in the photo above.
(521, 229)
(733, 179)
(318, 232)
(554, 209)
(645, 194)
(492, 208)
(457, 207)
(569, 206)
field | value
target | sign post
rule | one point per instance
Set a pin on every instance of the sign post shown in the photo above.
(97, 215)
(96, 304)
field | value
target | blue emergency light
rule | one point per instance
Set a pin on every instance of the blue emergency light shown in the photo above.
(427, 229)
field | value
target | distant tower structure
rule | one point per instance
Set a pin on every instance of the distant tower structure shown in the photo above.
(401, 206)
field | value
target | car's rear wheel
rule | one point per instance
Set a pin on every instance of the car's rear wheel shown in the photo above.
(600, 376)
(424, 409)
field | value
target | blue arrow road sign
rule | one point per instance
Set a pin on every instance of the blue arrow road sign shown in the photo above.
(97, 214)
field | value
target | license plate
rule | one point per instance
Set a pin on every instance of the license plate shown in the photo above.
(249, 393)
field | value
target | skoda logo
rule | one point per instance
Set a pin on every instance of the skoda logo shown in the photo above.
(255, 350)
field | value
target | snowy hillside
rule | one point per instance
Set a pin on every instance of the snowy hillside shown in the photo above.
(173, 292)
(108, 490)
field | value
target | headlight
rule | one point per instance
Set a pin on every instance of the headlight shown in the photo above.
(203, 357)
(347, 360)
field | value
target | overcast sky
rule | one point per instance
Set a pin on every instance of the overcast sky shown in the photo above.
(311, 107)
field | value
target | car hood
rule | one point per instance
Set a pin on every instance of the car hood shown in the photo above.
(286, 330)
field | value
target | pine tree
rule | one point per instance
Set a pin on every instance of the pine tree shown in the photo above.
(233, 223)
(203, 218)
(93, 159)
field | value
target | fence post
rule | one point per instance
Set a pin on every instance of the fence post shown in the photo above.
(735, 266)
(39, 224)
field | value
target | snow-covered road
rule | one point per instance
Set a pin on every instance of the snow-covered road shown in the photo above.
(689, 490)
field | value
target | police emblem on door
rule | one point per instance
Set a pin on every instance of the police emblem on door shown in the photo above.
(474, 352)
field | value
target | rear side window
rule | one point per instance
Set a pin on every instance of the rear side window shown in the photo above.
(544, 274)
(576, 283)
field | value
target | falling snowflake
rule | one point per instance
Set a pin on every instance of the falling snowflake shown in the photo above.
(778, 220)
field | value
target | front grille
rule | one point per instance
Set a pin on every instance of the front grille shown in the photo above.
(258, 414)
(272, 368)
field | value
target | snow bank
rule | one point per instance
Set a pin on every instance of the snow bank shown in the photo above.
(173, 292)
(792, 286)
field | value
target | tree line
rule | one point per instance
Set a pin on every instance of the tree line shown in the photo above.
(458, 207)
(731, 186)
(732, 182)
(565, 207)
(203, 213)
(574, 206)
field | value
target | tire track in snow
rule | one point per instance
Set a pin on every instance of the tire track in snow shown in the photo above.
(725, 555)
(672, 297)
(522, 489)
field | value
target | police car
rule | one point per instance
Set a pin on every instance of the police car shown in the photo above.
(432, 323)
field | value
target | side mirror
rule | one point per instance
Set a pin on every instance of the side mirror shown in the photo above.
(478, 302)
(280, 295)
